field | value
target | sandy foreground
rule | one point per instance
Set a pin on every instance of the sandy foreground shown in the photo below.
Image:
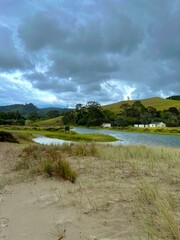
(54, 209)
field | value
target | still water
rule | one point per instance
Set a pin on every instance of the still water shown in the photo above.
(122, 138)
(135, 138)
(48, 141)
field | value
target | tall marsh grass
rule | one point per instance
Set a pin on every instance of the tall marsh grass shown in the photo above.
(143, 181)
(52, 159)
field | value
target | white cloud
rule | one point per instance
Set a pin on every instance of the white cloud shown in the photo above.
(118, 89)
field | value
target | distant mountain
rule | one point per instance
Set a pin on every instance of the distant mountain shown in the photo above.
(156, 102)
(29, 108)
(21, 108)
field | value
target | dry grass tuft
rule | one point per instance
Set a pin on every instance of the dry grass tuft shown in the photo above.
(141, 182)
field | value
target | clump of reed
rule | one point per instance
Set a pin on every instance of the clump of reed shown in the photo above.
(49, 160)
(52, 159)
(156, 212)
(151, 176)
(140, 179)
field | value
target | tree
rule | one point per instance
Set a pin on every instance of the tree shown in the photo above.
(173, 110)
(79, 106)
(95, 114)
(53, 114)
(152, 111)
(69, 117)
(169, 118)
(125, 107)
(145, 118)
(33, 116)
(120, 122)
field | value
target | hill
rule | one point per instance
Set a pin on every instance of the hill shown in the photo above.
(52, 109)
(49, 122)
(156, 102)
(21, 108)
(176, 97)
(30, 108)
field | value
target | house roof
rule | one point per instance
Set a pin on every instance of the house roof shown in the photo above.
(156, 123)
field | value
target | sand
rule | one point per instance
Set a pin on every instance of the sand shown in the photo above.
(47, 208)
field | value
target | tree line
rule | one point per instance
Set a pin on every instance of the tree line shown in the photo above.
(17, 118)
(92, 114)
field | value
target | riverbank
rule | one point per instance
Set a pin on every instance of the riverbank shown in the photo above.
(121, 192)
(166, 130)
(126, 137)
(155, 130)
(58, 133)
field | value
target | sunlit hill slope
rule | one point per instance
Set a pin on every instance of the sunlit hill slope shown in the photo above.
(156, 102)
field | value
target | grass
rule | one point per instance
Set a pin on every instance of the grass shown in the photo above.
(39, 159)
(142, 180)
(156, 212)
(156, 102)
(156, 130)
(49, 122)
(7, 137)
(59, 133)
(138, 185)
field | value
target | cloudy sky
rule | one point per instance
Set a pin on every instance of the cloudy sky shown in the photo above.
(64, 52)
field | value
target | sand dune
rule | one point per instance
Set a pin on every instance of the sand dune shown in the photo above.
(54, 209)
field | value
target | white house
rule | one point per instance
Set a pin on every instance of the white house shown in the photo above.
(154, 124)
(157, 124)
(106, 125)
(141, 125)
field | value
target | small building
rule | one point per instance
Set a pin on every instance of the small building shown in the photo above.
(107, 125)
(141, 125)
(153, 124)
(157, 124)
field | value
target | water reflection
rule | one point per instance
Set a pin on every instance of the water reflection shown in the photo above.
(49, 141)
(135, 138)
(122, 138)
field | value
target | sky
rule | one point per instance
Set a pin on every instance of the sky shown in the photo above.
(64, 52)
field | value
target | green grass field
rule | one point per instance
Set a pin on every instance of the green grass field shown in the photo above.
(49, 122)
(156, 102)
(24, 134)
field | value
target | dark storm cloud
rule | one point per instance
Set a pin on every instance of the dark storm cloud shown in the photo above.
(82, 66)
(9, 57)
(81, 45)
(42, 31)
(116, 35)
(166, 38)
(44, 81)
(122, 35)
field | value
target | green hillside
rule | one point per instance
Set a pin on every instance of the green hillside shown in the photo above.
(29, 108)
(49, 122)
(156, 102)
(21, 108)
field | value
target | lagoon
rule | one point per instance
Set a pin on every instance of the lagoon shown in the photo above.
(135, 138)
(48, 141)
(126, 138)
